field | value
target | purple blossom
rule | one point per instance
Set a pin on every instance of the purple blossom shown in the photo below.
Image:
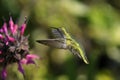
(14, 47)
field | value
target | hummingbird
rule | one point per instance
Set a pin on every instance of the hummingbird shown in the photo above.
(63, 40)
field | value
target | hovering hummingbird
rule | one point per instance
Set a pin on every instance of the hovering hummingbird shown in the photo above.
(63, 40)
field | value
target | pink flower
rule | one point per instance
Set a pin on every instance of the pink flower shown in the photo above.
(29, 59)
(14, 47)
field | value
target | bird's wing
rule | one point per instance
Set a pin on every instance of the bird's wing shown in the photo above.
(79, 52)
(56, 43)
(60, 32)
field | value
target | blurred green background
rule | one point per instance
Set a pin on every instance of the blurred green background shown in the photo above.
(95, 23)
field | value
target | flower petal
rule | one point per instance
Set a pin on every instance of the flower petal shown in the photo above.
(1, 36)
(5, 30)
(15, 29)
(23, 61)
(4, 74)
(29, 59)
(23, 27)
(20, 68)
(11, 23)
(11, 39)
(32, 56)
(1, 30)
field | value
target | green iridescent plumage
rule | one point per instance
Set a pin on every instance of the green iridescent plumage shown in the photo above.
(64, 41)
